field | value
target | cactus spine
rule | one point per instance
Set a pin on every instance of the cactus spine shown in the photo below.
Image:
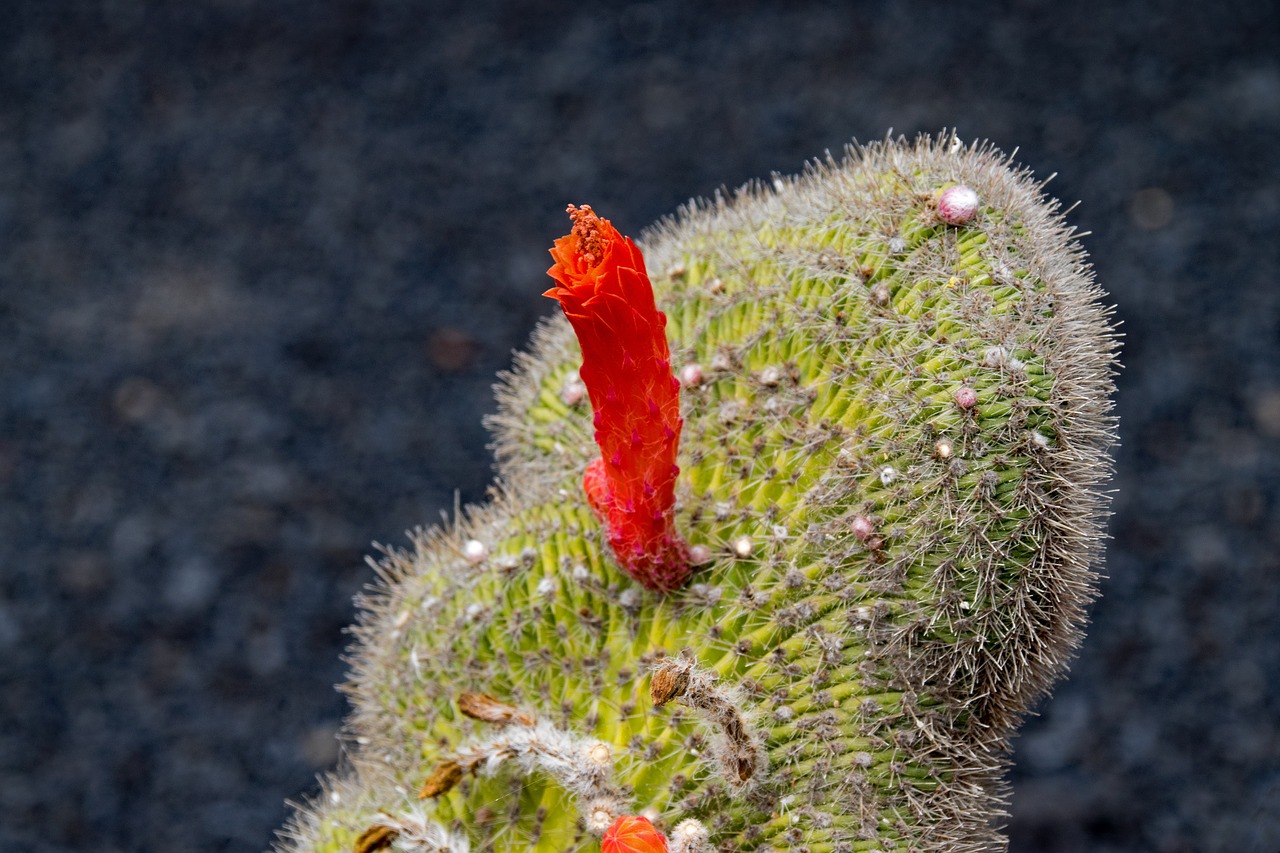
(893, 446)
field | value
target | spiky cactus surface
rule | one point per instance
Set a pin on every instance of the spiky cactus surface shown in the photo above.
(893, 457)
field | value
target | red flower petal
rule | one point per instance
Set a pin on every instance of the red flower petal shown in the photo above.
(633, 835)
(595, 484)
(626, 365)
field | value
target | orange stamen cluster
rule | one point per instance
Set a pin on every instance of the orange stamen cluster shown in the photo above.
(604, 290)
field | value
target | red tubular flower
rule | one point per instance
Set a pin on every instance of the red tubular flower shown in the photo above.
(602, 286)
(595, 482)
(633, 835)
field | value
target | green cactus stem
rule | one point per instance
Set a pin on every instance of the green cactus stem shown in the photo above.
(895, 434)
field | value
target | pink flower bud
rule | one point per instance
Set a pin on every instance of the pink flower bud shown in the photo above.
(957, 205)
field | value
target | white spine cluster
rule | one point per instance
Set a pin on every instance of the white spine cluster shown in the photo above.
(582, 765)
(690, 836)
(416, 832)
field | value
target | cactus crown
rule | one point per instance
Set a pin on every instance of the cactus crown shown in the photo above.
(892, 454)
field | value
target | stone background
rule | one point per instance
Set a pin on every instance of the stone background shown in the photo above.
(259, 262)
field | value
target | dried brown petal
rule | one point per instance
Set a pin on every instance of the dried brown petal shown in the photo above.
(442, 780)
(375, 838)
(489, 709)
(668, 683)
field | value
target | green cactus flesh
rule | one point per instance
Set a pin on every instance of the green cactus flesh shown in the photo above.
(894, 576)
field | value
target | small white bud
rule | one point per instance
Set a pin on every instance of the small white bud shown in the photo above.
(730, 411)
(742, 546)
(690, 836)
(771, 375)
(600, 754)
(599, 820)
(706, 593)
(475, 552)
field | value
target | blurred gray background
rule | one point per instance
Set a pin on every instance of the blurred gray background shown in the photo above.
(259, 262)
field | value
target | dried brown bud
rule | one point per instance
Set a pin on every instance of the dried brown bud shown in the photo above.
(486, 708)
(375, 838)
(442, 780)
(668, 683)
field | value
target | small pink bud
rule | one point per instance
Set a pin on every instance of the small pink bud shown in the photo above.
(957, 205)
(691, 375)
(966, 398)
(863, 527)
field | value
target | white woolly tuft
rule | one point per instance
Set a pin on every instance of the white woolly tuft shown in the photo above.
(418, 833)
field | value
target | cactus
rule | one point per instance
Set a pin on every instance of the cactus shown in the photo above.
(896, 425)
